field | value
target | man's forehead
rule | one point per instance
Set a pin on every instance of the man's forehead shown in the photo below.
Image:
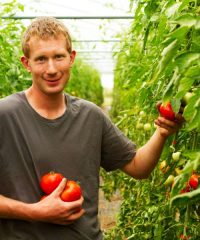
(42, 47)
(47, 37)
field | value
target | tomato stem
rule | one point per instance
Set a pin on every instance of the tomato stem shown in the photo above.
(187, 215)
(194, 145)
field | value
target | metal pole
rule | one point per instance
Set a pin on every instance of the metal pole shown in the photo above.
(70, 17)
(97, 40)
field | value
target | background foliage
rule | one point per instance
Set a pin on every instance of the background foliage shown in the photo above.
(159, 61)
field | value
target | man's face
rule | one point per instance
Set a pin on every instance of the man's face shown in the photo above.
(49, 63)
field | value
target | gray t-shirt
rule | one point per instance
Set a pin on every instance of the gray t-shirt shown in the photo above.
(76, 144)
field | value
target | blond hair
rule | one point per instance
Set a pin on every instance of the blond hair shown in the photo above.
(44, 28)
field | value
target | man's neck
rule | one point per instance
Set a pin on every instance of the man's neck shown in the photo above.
(48, 106)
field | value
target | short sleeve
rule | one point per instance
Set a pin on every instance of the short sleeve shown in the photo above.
(117, 149)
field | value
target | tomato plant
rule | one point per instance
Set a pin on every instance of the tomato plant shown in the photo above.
(83, 75)
(158, 61)
(72, 192)
(50, 181)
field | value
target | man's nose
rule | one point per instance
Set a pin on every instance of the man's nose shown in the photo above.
(51, 68)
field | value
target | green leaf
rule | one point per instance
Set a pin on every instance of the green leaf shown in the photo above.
(167, 51)
(197, 25)
(194, 122)
(167, 94)
(191, 111)
(187, 20)
(172, 8)
(167, 55)
(194, 156)
(184, 85)
(186, 59)
(176, 103)
(179, 183)
(179, 34)
(193, 71)
(183, 5)
(150, 8)
(186, 198)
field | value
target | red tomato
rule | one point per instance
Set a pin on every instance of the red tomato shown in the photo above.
(50, 181)
(182, 236)
(186, 189)
(194, 181)
(72, 192)
(174, 142)
(166, 111)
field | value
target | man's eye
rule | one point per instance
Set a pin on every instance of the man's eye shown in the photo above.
(59, 56)
(41, 59)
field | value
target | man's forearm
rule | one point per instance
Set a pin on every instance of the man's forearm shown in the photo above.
(51, 209)
(13, 209)
(146, 157)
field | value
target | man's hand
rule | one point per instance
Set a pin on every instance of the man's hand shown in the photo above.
(168, 127)
(53, 210)
(148, 155)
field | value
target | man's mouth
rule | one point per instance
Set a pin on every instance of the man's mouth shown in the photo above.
(52, 82)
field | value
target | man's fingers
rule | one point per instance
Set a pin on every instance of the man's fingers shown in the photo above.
(60, 188)
(73, 206)
(179, 118)
(76, 214)
(71, 218)
(161, 121)
(158, 105)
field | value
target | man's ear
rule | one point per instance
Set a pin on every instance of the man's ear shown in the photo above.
(25, 62)
(72, 57)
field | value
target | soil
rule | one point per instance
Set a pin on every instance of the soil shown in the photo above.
(108, 210)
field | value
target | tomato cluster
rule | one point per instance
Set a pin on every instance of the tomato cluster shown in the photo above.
(192, 184)
(50, 181)
(185, 237)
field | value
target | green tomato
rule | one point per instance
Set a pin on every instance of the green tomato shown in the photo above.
(178, 171)
(164, 167)
(142, 114)
(147, 127)
(187, 97)
(139, 125)
(169, 180)
(176, 156)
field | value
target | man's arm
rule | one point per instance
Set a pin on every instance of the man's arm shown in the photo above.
(10, 208)
(147, 156)
(51, 209)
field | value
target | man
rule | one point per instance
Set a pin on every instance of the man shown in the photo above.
(43, 129)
